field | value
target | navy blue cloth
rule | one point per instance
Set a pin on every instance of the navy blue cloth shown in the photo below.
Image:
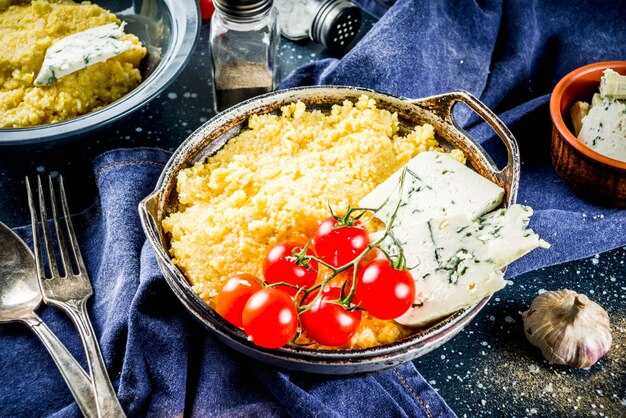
(509, 54)
(162, 361)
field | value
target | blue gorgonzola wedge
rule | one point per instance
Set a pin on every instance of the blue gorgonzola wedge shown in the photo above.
(457, 261)
(604, 128)
(435, 185)
(81, 50)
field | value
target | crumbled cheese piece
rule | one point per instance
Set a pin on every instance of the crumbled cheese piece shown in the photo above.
(80, 50)
(613, 85)
(604, 129)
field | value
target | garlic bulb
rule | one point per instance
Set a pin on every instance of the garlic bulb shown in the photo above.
(568, 328)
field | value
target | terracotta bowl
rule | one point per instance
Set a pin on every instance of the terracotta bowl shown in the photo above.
(594, 176)
(214, 134)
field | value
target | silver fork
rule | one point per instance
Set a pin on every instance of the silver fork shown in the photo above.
(69, 291)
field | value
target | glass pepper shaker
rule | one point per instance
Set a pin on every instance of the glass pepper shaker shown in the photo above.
(244, 40)
(333, 23)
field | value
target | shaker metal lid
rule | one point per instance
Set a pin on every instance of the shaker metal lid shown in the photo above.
(243, 9)
(336, 25)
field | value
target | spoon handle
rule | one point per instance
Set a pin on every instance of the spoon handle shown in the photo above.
(73, 374)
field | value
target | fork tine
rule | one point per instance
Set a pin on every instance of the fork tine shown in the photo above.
(65, 258)
(35, 227)
(47, 238)
(70, 229)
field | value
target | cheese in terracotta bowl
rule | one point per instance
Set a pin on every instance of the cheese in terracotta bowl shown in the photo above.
(588, 143)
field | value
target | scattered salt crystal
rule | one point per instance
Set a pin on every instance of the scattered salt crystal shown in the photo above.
(533, 368)
(509, 319)
(541, 291)
(172, 96)
(483, 402)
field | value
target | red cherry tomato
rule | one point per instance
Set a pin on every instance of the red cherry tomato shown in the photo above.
(281, 265)
(328, 323)
(386, 293)
(270, 318)
(339, 245)
(206, 9)
(233, 296)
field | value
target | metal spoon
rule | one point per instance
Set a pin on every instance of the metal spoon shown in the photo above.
(20, 296)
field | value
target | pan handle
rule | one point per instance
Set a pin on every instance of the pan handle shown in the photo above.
(148, 209)
(442, 104)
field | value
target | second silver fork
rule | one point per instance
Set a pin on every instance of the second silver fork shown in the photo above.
(70, 290)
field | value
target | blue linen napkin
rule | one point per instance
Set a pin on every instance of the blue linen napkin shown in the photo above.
(509, 54)
(162, 361)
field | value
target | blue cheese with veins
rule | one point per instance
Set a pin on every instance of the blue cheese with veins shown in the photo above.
(457, 261)
(81, 50)
(604, 128)
(435, 185)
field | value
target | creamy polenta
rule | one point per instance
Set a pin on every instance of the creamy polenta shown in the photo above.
(274, 182)
(27, 29)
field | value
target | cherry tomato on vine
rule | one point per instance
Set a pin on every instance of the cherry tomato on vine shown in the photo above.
(282, 264)
(386, 293)
(233, 296)
(270, 318)
(328, 323)
(337, 244)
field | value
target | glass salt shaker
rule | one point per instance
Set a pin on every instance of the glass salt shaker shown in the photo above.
(333, 23)
(244, 42)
